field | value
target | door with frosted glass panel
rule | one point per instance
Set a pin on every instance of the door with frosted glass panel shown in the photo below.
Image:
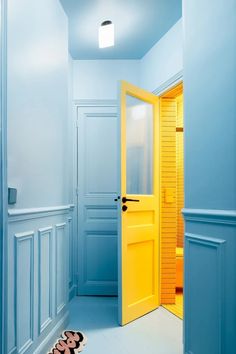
(138, 251)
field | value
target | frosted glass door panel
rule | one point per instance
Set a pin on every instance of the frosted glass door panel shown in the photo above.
(139, 146)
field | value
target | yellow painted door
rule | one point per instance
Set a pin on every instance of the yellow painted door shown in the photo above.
(139, 203)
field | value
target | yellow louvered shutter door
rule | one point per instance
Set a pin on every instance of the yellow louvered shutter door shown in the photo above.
(180, 171)
(168, 199)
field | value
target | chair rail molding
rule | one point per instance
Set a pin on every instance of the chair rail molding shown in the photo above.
(214, 216)
(15, 215)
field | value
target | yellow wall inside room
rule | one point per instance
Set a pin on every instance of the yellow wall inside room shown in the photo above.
(168, 199)
(172, 188)
(180, 171)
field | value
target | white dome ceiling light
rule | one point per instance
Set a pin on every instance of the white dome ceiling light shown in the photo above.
(106, 34)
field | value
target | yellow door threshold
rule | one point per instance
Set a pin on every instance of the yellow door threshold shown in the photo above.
(177, 308)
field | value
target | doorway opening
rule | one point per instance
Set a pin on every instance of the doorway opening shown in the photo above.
(99, 201)
(172, 199)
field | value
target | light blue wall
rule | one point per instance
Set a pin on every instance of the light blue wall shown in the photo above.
(3, 164)
(164, 60)
(41, 225)
(210, 175)
(37, 102)
(98, 79)
(70, 132)
(210, 104)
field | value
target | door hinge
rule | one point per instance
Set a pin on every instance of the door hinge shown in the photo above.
(77, 191)
(77, 123)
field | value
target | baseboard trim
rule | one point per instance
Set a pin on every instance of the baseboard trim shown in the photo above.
(227, 217)
(72, 292)
(35, 213)
(51, 338)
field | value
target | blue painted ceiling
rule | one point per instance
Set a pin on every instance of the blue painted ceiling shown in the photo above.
(139, 24)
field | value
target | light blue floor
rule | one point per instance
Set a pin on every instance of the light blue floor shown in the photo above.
(159, 332)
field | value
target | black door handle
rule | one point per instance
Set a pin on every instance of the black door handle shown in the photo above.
(124, 200)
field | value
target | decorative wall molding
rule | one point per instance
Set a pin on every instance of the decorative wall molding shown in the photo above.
(204, 240)
(61, 269)
(71, 258)
(53, 334)
(24, 264)
(213, 251)
(95, 103)
(39, 269)
(44, 233)
(35, 213)
(173, 81)
(72, 207)
(227, 217)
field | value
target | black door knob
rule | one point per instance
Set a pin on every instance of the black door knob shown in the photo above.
(116, 200)
(124, 207)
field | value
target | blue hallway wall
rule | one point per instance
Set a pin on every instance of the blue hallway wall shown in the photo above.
(98, 79)
(41, 223)
(164, 60)
(210, 104)
(3, 163)
(210, 175)
(37, 102)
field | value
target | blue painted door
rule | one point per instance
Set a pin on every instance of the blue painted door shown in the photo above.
(97, 210)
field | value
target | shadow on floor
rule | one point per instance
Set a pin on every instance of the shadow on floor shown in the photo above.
(159, 332)
(94, 312)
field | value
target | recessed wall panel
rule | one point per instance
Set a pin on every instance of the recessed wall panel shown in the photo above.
(204, 290)
(24, 287)
(45, 277)
(61, 266)
(71, 250)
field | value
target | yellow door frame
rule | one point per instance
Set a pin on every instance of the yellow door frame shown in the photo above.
(168, 216)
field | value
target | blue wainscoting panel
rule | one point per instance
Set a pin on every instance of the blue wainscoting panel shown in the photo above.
(97, 210)
(38, 277)
(204, 291)
(24, 287)
(45, 277)
(210, 282)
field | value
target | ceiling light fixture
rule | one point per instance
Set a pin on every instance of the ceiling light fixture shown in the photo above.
(106, 34)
